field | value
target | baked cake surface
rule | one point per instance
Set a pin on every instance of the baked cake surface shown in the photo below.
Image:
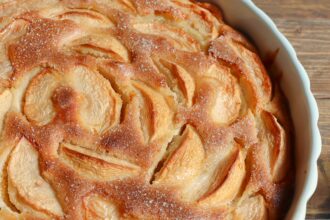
(144, 109)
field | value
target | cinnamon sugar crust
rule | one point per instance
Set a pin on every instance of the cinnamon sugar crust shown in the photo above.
(137, 109)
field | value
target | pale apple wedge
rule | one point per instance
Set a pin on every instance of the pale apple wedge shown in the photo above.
(27, 189)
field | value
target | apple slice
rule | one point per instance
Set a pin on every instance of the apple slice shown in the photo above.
(38, 106)
(27, 189)
(199, 21)
(184, 163)
(277, 144)
(248, 69)
(96, 165)
(227, 183)
(159, 113)
(97, 208)
(99, 105)
(184, 80)
(5, 100)
(102, 46)
(87, 18)
(177, 36)
(253, 208)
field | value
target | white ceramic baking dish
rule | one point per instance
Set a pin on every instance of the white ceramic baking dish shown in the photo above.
(245, 16)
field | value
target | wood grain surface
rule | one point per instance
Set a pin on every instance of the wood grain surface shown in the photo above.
(306, 23)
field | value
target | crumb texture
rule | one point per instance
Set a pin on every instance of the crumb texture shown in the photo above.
(137, 109)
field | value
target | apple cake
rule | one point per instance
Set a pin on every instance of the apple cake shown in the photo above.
(137, 109)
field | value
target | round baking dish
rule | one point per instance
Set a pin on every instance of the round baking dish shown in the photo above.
(245, 16)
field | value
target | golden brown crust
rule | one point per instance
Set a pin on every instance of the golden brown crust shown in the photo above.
(136, 110)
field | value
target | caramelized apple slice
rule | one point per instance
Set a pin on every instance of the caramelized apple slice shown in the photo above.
(98, 209)
(253, 208)
(128, 5)
(87, 18)
(199, 22)
(5, 100)
(103, 46)
(223, 100)
(179, 38)
(185, 82)
(227, 103)
(277, 143)
(96, 165)
(248, 68)
(185, 162)
(27, 189)
(100, 106)
(52, 11)
(38, 106)
(160, 113)
(227, 183)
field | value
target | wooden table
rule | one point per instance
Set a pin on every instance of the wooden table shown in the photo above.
(306, 23)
